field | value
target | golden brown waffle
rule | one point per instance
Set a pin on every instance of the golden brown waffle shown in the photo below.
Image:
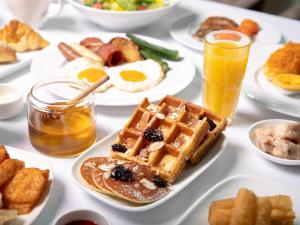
(182, 134)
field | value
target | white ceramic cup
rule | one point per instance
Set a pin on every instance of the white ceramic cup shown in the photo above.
(33, 12)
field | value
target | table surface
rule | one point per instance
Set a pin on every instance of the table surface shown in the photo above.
(237, 158)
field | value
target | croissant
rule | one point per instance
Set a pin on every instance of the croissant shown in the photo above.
(21, 37)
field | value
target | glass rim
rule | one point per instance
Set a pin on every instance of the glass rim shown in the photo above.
(212, 33)
(42, 83)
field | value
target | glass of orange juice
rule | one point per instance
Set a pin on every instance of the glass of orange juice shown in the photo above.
(225, 60)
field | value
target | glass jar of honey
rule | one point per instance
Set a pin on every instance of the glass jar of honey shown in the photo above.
(58, 126)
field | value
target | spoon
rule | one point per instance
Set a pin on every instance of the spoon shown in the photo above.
(81, 96)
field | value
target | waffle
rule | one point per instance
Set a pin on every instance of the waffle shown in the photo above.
(185, 136)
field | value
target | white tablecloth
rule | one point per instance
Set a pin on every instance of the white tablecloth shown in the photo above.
(238, 158)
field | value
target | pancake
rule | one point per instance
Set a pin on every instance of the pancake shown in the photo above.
(92, 174)
(140, 189)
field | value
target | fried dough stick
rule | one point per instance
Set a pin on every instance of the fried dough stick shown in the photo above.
(244, 209)
(8, 168)
(281, 210)
(3, 153)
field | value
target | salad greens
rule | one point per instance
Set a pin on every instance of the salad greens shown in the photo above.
(124, 5)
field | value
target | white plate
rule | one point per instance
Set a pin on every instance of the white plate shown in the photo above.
(188, 175)
(178, 78)
(38, 161)
(263, 92)
(184, 27)
(23, 58)
(198, 212)
(251, 141)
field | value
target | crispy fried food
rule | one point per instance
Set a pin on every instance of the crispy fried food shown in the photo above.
(244, 208)
(3, 153)
(8, 168)
(21, 37)
(25, 189)
(129, 49)
(283, 60)
(270, 210)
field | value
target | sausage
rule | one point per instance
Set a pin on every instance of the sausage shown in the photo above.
(92, 43)
(111, 55)
(68, 51)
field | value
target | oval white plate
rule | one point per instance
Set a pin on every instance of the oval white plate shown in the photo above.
(38, 161)
(178, 78)
(189, 174)
(261, 91)
(251, 141)
(183, 28)
(198, 212)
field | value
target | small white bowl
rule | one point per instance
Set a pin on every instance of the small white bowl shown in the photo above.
(11, 101)
(122, 20)
(82, 215)
(251, 140)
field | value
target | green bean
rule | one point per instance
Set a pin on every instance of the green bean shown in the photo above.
(161, 51)
(148, 54)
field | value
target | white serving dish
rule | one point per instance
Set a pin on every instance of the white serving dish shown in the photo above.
(14, 103)
(261, 91)
(82, 215)
(125, 20)
(37, 161)
(189, 174)
(181, 73)
(184, 27)
(251, 141)
(198, 212)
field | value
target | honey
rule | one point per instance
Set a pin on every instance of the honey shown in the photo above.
(58, 128)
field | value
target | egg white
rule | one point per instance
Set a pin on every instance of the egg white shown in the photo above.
(150, 68)
(73, 68)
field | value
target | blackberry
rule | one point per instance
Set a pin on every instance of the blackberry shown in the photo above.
(210, 122)
(119, 148)
(153, 135)
(159, 182)
(122, 173)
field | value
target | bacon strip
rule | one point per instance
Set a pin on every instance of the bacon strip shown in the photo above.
(111, 55)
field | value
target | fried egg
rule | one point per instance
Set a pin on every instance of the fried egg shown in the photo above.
(87, 70)
(136, 76)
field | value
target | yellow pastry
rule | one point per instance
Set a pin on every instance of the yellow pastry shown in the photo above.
(287, 81)
(21, 37)
(7, 54)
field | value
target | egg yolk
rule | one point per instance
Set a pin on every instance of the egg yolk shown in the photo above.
(91, 75)
(133, 75)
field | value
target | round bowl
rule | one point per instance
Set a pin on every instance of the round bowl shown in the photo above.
(125, 20)
(11, 101)
(82, 215)
(251, 141)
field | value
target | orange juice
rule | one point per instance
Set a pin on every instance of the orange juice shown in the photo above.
(224, 68)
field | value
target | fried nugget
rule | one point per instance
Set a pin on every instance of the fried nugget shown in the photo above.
(8, 168)
(283, 60)
(25, 189)
(3, 153)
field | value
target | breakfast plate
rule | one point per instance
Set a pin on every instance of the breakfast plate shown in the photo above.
(37, 161)
(173, 83)
(189, 174)
(257, 88)
(198, 212)
(252, 142)
(182, 29)
(23, 58)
